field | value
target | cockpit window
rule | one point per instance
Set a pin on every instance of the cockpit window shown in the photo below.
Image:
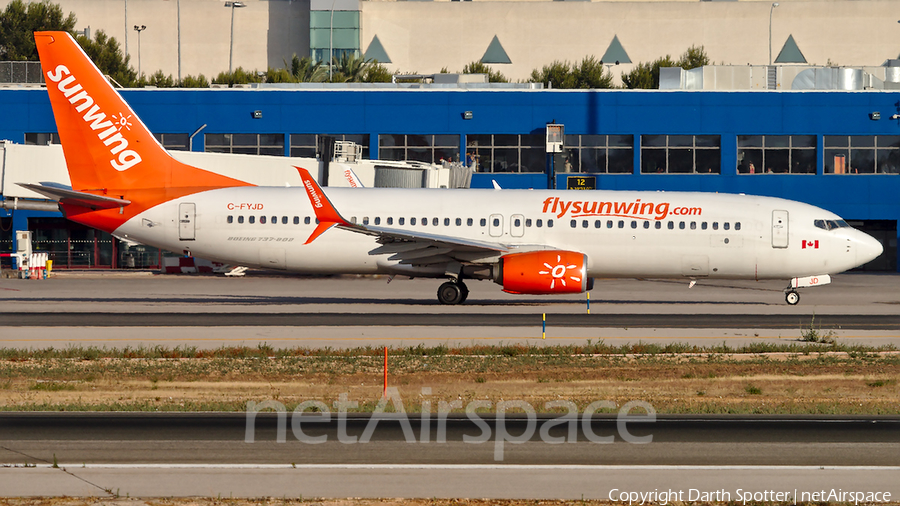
(830, 224)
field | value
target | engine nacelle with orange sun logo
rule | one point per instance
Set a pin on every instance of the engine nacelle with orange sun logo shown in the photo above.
(544, 272)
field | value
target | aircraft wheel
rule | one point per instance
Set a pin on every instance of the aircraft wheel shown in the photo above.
(465, 291)
(450, 293)
(792, 298)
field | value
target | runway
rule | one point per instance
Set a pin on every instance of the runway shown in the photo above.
(209, 454)
(135, 309)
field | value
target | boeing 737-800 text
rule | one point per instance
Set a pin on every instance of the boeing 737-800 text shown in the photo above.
(529, 241)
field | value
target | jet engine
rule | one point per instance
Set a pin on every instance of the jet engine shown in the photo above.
(544, 272)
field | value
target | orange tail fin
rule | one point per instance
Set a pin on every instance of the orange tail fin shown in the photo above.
(108, 150)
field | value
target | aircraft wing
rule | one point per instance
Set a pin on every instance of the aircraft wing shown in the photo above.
(408, 247)
(422, 248)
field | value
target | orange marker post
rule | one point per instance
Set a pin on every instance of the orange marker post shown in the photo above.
(384, 394)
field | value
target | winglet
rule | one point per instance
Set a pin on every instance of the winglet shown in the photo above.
(326, 214)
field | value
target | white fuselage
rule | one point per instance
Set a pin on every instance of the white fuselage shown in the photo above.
(623, 233)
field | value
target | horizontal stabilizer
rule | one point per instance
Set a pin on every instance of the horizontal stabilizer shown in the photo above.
(73, 197)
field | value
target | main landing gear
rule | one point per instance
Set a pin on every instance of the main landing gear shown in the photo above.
(452, 292)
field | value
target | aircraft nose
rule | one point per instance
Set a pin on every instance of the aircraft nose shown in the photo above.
(867, 248)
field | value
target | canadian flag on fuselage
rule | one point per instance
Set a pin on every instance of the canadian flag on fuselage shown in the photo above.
(810, 244)
(108, 149)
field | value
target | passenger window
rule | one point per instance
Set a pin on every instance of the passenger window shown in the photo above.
(598, 224)
(658, 225)
(317, 221)
(715, 225)
(446, 222)
(469, 222)
(435, 221)
(517, 222)
(693, 225)
(297, 220)
(284, 220)
(609, 224)
(737, 225)
(573, 223)
(274, 220)
(584, 223)
(378, 220)
(621, 223)
(633, 224)
(365, 220)
(412, 221)
(528, 222)
(262, 219)
(390, 220)
(549, 223)
(353, 220)
(646, 224)
(306, 220)
(671, 225)
(496, 222)
(401, 221)
(539, 223)
(681, 225)
(703, 226)
(231, 219)
(726, 226)
(458, 222)
(424, 222)
(240, 219)
(251, 219)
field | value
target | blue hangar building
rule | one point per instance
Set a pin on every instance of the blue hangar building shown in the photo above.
(839, 150)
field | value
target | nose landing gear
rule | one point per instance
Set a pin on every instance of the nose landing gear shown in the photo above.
(791, 297)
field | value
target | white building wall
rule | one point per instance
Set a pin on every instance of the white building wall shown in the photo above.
(424, 37)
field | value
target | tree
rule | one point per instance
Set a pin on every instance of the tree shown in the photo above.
(377, 73)
(193, 82)
(349, 68)
(107, 56)
(589, 74)
(18, 22)
(305, 70)
(237, 76)
(477, 67)
(646, 75)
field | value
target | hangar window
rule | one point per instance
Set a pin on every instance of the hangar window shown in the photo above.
(41, 139)
(310, 145)
(613, 154)
(680, 154)
(862, 154)
(245, 144)
(421, 148)
(776, 154)
(174, 142)
(506, 152)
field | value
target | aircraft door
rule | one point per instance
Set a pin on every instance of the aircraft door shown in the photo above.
(779, 229)
(517, 225)
(187, 215)
(495, 225)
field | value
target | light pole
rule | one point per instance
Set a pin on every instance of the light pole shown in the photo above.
(139, 29)
(331, 42)
(774, 4)
(233, 5)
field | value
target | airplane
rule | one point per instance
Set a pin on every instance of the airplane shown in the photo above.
(528, 241)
